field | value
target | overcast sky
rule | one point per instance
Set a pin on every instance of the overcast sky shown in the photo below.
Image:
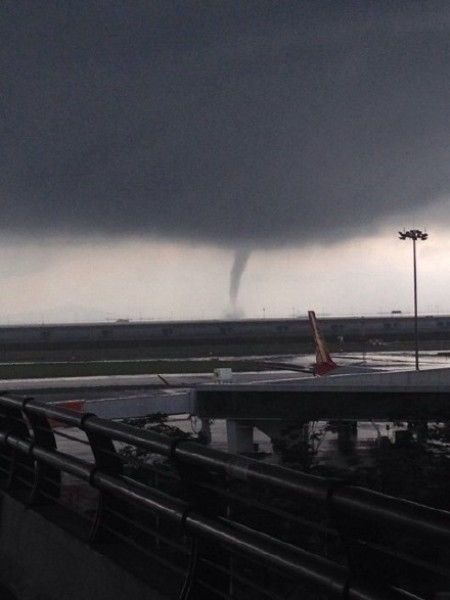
(193, 159)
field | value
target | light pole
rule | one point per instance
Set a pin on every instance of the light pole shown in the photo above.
(414, 235)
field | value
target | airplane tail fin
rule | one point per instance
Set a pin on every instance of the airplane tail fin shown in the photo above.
(324, 362)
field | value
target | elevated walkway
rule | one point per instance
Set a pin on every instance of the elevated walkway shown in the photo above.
(324, 402)
(413, 396)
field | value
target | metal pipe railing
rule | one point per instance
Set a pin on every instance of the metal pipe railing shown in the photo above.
(346, 499)
(26, 434)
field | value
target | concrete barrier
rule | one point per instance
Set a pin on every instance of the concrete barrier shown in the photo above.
(42, 561)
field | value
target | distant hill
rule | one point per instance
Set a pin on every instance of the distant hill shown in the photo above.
(59, 314)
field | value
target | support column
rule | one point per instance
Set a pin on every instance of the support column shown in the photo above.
(289, 438)
(347, 435)
(204, 434)
(239, 436)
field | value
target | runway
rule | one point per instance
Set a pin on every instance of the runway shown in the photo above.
(121, 387)
(124, 382)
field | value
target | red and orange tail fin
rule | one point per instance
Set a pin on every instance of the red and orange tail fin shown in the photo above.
(324, 362)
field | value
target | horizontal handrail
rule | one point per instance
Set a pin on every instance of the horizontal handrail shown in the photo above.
(340, 499)
(343, 497)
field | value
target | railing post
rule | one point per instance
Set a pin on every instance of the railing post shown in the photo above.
(197, 488)
(109, 508)
(362, 541)
(19, 468)
(47, 481)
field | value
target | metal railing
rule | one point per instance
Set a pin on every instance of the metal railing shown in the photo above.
(197, 522)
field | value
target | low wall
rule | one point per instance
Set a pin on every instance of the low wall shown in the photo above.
(41, 561)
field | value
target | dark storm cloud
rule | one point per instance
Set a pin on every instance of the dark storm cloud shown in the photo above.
(231, 122)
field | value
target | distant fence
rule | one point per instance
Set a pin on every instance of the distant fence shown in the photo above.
(199, 523)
